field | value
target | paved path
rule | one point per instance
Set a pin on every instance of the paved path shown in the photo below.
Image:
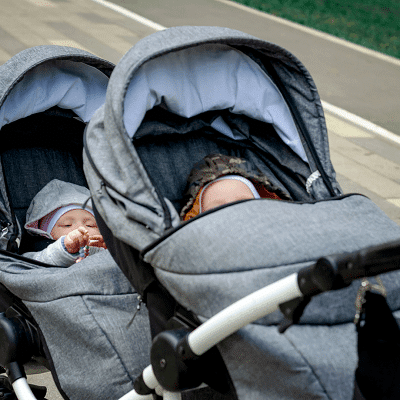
(364, 162)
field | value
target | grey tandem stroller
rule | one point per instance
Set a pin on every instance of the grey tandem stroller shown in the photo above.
(85, 322)
(213, 285)
(73, 321)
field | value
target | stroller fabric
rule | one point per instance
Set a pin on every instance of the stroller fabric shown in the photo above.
(84, 312)
(184, 89)
(66, 84)
(139, 149)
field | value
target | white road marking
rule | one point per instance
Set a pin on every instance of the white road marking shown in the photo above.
(361, 122)
(42, 3)
(395, 202)
(130, 14)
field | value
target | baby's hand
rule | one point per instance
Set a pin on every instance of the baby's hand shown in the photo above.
(97, 241)
(76, 239)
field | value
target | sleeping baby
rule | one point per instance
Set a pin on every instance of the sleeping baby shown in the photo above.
(220, 179)
(56, 212)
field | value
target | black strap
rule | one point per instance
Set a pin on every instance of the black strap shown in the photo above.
(378, 371)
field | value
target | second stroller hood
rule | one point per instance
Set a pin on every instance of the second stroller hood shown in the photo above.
(54, 195)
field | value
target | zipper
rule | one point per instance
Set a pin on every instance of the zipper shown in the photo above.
(301, 128)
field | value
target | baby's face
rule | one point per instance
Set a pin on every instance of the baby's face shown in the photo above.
(223, 192)
(72, 220)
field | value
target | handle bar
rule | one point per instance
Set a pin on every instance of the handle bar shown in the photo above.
(338, 271)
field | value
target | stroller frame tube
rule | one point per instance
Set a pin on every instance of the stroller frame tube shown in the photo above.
(22, 389)
(243, 312)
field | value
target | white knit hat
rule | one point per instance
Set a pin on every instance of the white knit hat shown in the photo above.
(48, 222)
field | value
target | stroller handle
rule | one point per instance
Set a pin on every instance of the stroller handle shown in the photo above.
(340, 270)
(328, 273)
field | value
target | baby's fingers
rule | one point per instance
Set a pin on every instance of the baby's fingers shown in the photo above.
(76, 239)
(97, 241)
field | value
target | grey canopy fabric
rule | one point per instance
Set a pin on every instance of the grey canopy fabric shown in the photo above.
(112, 159)
(13, 71)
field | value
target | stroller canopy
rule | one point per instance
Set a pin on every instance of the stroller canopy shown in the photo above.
(196, 77)
(45, 76)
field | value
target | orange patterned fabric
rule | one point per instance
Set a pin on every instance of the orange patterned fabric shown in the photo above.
(195, 208)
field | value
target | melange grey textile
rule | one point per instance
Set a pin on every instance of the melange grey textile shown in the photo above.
(239, 249)
(85, 313)
(112, 158)
(13, 70)
(306, 362)
(218, 258)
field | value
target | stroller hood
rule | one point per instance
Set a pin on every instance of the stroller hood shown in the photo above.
(150, 74)
(28, 81)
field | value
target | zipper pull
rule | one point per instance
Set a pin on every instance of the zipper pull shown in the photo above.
(100, 190)
(138, 307)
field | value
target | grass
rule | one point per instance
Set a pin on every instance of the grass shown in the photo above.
(371, 23)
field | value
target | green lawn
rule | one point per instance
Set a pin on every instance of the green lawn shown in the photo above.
(371, 23)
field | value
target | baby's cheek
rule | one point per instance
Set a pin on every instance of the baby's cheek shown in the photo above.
(94, 231)
(57, 232)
